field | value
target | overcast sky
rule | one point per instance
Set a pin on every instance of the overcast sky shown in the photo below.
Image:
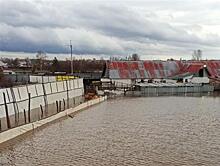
(155, 29)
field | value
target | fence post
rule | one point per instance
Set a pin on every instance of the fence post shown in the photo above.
(6, 112)
(45, 100)
(67, 93)
(29, 107)
(0, 125)
(42, 112)
(57, 106)
(16, 111)
(60, 102)
(64, 104)
(25, 118)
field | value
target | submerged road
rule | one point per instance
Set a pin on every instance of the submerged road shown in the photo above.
(130, 131)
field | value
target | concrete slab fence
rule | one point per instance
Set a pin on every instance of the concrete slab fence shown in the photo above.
(30, 103)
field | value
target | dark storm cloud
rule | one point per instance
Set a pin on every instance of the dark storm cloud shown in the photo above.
(102, 27)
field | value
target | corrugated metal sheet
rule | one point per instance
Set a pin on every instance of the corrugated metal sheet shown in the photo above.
(159, 69)
(142, 69)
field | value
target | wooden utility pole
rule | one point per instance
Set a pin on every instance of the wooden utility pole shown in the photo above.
(71, 58)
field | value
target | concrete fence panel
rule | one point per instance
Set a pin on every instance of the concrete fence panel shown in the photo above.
(60, 86)
(48, 88)
(23, 92)
(22, 106)
(56, 97)
(45, 79)
(54, 87)
(37, 101)
(76, 83)
(40, 90)
(45, 99)
(9, 95)
(52, 79)
(2, 111)
(1, 96)
(32, 90)
(72, 84)
(16, 94)
(80, 83)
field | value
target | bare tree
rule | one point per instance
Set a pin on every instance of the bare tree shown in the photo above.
(55, 65)
(28, 62)
(15, 63)
(197, 55)
(41, 57)
(135, 57)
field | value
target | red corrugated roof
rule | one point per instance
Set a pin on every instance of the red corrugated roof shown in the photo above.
(159, 69)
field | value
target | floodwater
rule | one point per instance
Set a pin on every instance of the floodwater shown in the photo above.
(157, 131)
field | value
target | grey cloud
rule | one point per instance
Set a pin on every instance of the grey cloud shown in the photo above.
(102, 27)
(28, 39)
(119, 21)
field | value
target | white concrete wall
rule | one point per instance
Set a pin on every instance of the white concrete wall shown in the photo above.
(125, 81)
(199, 80)
(42, 79)
(54, 91)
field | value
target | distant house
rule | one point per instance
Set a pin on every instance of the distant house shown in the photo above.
(3, 65)
(194, 73)
(7, 72)
(25, 63)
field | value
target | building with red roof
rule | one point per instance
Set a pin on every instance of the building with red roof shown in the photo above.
(171, 69)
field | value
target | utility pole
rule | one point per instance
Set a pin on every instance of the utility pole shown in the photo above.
(71, 58)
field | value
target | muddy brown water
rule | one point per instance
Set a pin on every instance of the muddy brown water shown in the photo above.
(153, 131)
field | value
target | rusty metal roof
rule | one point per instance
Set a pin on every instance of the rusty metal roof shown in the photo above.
(159, 69)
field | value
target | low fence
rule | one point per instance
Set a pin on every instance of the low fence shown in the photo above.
(45, 79)
(17, 78)
(29, 103)
(26, 78)
(169, 90)
(42, 79)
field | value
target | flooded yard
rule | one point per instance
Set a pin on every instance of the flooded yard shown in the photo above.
(127, 131)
